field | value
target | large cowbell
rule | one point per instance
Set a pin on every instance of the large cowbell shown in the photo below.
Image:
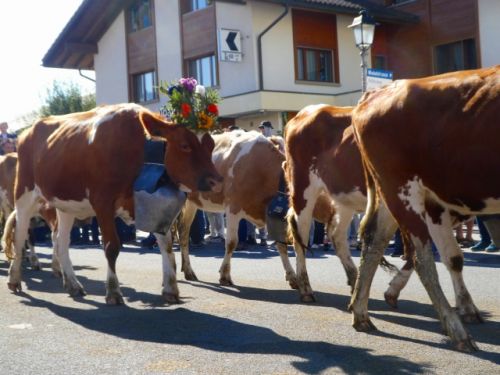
(276, 214)
(157, 200)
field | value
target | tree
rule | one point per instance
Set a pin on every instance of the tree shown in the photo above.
(65, 98)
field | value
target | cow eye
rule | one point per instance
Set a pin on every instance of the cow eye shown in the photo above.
(185, 147)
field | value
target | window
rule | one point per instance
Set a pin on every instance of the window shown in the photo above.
(204, 70)
(140, 15)
(456, 56)
(314, 65)
(199, 4)
(315, 46)
(144, 87)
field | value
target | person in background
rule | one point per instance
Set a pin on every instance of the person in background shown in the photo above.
(7, 140)
(216, 225)
(266, 128)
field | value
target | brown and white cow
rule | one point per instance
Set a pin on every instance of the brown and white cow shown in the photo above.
(431, 148)
(8, 165)
(322, 157)
(251, 166)
(84, 164)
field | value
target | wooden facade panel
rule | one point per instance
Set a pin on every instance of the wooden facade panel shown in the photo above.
(199, 37)
(142, 51)
(313, 29)
(448, 26)
(409, 45)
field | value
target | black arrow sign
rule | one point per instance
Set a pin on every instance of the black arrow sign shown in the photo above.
(230, 41)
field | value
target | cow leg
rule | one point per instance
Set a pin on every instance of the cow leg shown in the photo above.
(33, 257)
(398, 282)
(452, 257)
(55, 265)
(70, 282)
(185, 221)
(231, 243)
(290, 275)
(18, 224)
(379, 227)
(301, 225)
(111, 243)
(170, 291)
(337, 231)
(452, 325)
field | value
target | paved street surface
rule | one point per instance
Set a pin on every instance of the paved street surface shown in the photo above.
(256, 327)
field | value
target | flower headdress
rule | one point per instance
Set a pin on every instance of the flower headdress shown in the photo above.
(191, 104)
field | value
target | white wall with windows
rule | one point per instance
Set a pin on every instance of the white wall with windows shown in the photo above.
(489, 31)
(111, 65)
(278, 55)
(238, 77)
(168, 44)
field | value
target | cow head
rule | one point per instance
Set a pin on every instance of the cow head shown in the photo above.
(188, 159)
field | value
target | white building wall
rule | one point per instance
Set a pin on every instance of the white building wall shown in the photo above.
(236, 78)
(489, 31)
(278, 54)
(110, 65)
(168, 44)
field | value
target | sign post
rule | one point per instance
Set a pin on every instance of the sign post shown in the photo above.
(377, 78)
(230, 45)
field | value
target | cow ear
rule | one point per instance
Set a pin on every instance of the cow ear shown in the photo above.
(155, 125)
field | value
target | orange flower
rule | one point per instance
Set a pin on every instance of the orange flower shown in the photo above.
(185, 110)
(212, 108)
(205, 121)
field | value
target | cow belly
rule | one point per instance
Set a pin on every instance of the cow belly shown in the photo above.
(355, 200)
(81, 209)
(207, 205)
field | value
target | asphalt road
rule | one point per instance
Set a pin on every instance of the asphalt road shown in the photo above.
(256, 327)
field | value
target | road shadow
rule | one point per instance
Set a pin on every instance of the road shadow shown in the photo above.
(408, 314)
(180, 326)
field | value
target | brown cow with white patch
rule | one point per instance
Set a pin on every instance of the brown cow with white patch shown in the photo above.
(8, 164)
(85, 164)
(251, 166)
(322, 157)
(431, 147)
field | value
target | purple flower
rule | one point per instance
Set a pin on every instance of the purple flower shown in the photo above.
(188, 83)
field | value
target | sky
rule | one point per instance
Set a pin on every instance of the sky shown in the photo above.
(27, 30)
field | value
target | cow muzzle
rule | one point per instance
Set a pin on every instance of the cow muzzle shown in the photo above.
(211, 183)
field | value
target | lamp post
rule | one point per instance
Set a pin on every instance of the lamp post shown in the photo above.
(364, 30)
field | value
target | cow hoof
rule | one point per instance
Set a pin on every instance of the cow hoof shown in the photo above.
(467, 346)
(77, 292)
(293, 284)
(57, 273)
(472, 317)
(114, 300)
(15, 287)
(364, 325)
(307, 298)
(391, 300)
(36, 267)
(190, 276)
(226, 281)
(171, 298)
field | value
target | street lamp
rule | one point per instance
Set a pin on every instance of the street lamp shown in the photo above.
(364, 30)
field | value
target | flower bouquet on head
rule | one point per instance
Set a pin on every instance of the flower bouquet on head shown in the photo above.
(191, 104)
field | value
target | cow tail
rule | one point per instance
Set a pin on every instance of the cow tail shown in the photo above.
(293, 231)
(388, 266)
(8, 237)
(368, 225)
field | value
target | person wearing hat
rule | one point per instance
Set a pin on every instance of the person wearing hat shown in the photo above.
(266, 128)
